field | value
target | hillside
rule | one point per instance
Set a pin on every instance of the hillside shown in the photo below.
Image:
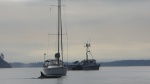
(4, 64)
(127, 63)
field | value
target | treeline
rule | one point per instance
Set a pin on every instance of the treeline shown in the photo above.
(26, 65)
(113, 63)
(127, 63)
(4, 64)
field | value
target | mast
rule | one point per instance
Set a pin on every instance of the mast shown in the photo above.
(87, 45)
(57, 55)
(59, 22)
(60, 25)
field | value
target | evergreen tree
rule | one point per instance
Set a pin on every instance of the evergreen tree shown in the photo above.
(2, 56)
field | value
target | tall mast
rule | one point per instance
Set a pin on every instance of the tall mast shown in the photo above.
(57, 55)
(60, 27)
(59, 22)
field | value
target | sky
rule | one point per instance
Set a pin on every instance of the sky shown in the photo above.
(116, 29)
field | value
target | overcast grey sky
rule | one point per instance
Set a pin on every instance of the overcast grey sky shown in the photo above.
(116, 29)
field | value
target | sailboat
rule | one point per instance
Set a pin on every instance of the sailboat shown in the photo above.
(55, 67)
(86, 64)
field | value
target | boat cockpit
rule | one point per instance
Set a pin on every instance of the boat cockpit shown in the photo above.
(52, 62)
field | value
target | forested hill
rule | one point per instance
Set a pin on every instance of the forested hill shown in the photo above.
(127, 63)
(4, 64)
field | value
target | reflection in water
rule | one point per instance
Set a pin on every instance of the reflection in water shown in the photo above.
(59, 81)
(62, 80)
(106, 75)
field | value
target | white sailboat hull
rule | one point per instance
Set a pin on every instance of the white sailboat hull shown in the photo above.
(61, 71)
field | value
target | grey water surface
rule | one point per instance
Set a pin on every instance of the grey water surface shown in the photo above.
(106, 75)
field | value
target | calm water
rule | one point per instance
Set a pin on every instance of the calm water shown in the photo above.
(106, 75)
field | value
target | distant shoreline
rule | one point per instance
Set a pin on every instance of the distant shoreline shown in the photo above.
(127, 63)
(103, 64)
